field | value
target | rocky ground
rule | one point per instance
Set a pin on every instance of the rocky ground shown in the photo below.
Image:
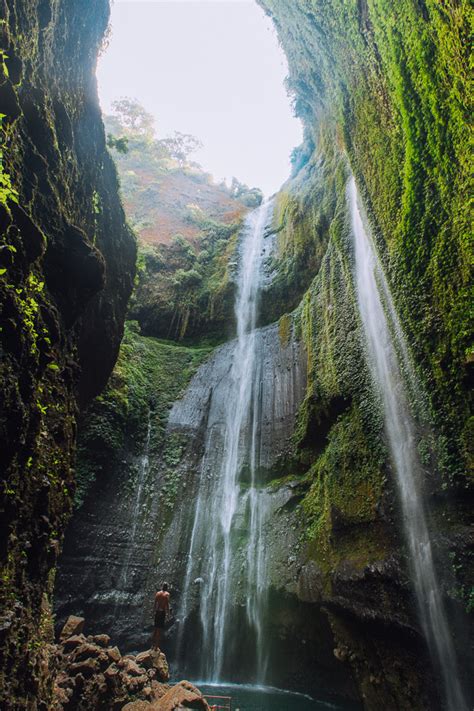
(92, 674)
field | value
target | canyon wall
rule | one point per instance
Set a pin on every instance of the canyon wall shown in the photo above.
(66, 271)
(380, 88)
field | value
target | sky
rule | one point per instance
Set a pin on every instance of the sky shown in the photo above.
(212, 68)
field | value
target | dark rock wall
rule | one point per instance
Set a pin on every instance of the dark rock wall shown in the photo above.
(66, 271)
(121, 543)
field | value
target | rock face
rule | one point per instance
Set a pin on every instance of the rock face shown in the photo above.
(118, 593)
(110, 568)
(66, 271)
(90, 674)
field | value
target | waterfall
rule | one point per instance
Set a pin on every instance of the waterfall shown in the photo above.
(224, 503)
(388, 361)
(143, 467)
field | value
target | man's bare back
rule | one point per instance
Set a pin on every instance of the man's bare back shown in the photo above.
(162, 600)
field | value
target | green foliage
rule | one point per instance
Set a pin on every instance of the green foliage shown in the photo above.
(305, 213)
(347, 485)
(7, 192)
(148, 377)
(180, 146)
(284, 329)
(134, 117)
(119, 144)
(252, 197)
(186, 292)
(394, 79)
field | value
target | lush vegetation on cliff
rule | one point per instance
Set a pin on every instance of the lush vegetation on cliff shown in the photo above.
(185, 290)
(187, 227)
(392, 78)
(149, 376)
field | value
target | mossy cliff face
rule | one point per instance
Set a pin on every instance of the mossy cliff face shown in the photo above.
(186, 291)
(66, 271)
(379, 87)
(391, 78)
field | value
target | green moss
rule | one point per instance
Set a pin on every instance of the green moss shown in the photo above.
(305, 213)
(341, 505)
(392, 81)
(284, 329)
(347, 479)
(149, 376)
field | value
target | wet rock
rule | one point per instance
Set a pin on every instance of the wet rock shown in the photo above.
(183, 694)
(145, 659)
(111, 672)
(135, 684)
(93, 676)
(131, 667)
(86, 650)
(310, 583)
(87, 668)
(73, 626)
(341, 653)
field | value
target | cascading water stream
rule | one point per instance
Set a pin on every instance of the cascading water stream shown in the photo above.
(387, 362)
(142, 474)
(212, 555)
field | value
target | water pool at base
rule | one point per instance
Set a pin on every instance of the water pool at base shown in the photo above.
(256, 698)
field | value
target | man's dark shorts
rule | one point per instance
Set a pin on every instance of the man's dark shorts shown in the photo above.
(160, 617)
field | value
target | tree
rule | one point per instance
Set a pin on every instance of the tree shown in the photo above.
(180, 145)
(133, 117)
(252, 197)
(120, 144)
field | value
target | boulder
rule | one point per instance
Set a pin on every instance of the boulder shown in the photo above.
(341, 653)
(184, 695)
(137, 706)
(103, 640)
(86, 668)
(131, 667)
(310, 583)
(73, 626)
(154, 659)
(145, 659)
(135, 684)
(113, 653)
(111, 671)
(86, 650)
(72, 642)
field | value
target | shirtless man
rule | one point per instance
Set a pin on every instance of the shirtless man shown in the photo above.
(160, 610)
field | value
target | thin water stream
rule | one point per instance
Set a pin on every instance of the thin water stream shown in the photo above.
(388, 361)
(143, 467)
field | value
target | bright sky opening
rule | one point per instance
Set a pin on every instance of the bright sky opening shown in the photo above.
(210, 68)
